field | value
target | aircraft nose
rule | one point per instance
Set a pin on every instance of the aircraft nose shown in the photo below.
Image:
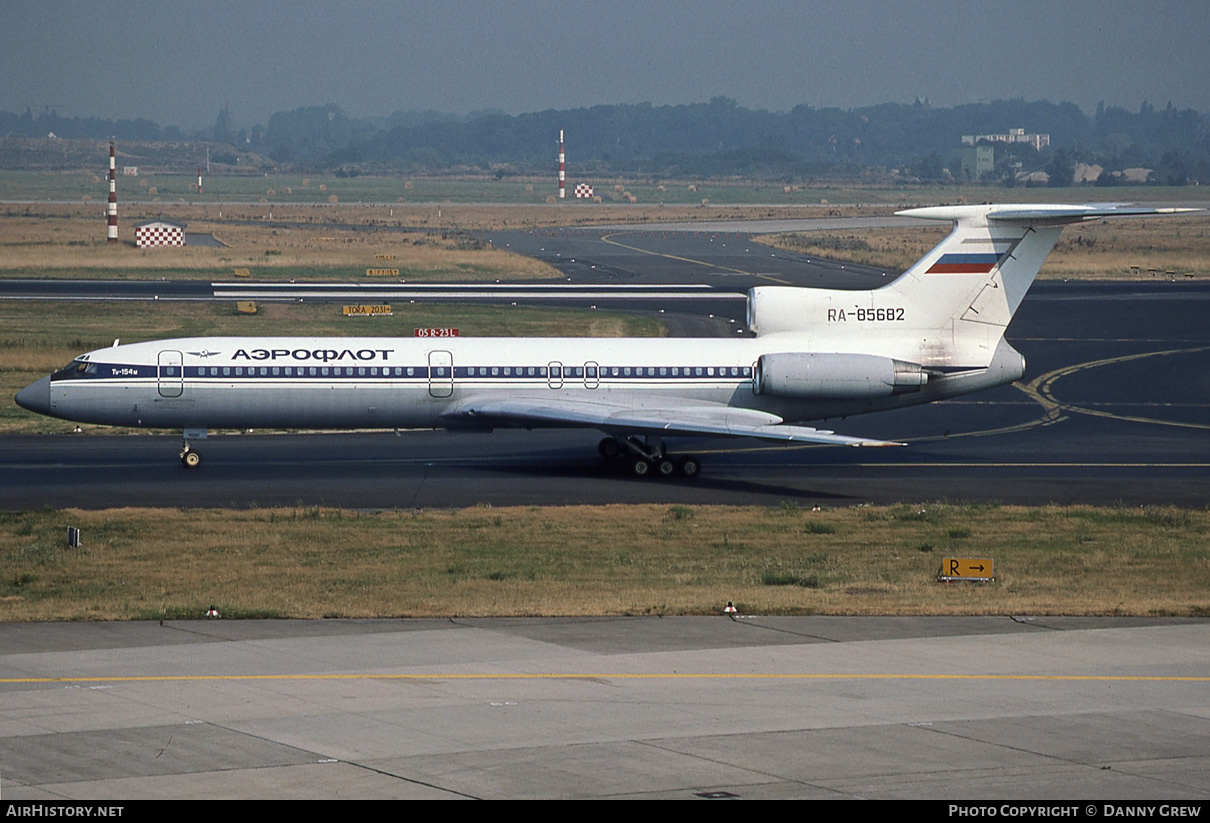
(36, 396)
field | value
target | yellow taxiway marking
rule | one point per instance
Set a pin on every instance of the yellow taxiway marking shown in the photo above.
(1042, 388)
(192, 678)
(606, 238)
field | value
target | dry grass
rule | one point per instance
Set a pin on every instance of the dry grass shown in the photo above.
(138, 563)
(1102, 250)
(63, 240)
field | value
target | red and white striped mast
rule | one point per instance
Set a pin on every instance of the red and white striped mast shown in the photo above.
(111, 233)
(562, 169)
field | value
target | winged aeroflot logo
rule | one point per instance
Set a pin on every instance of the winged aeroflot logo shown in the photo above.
(204, 353)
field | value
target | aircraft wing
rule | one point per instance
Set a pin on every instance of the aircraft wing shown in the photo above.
(693, 418)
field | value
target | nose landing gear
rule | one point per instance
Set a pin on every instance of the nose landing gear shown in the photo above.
(191, 458)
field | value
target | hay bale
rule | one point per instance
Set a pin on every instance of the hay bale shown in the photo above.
(333, 198)
(288, 190)
(408, 185)
(323, 186)
(306, 181)
(705, 201)
(143, 182)
(87, 198)
(153, 191)
(271, 193)
(550, 199)
(692, 187)
(619, 188)
(529, 186)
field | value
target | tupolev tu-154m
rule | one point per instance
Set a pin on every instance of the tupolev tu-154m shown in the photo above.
(935, 332)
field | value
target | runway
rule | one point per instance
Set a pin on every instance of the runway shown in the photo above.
(643, 708)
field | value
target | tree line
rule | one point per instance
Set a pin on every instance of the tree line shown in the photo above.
(718, 138)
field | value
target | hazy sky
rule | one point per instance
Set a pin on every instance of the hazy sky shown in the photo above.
(179, 61)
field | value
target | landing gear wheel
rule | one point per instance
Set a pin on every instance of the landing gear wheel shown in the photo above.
(639, 467)
(689, 466)
(191, 459)
(664, 467)
(609, 448)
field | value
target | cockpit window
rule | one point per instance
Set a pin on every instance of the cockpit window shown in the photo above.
(77, 368)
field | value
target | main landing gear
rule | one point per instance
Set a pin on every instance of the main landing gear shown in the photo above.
(642, 459)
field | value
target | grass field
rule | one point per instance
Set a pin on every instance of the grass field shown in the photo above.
(299, 243)
(306, 563)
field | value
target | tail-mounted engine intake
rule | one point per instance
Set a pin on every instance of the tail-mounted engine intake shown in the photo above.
(804, 376)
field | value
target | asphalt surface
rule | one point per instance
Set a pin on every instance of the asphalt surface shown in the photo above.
(1114, 408)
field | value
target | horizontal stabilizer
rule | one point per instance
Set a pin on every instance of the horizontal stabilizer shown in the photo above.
(1051, 213)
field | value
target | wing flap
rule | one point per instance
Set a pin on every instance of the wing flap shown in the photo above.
(691, 419)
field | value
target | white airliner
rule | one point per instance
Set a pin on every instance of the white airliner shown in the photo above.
(936, 331)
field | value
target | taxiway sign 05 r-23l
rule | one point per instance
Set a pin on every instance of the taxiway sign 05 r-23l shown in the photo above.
(935, 332)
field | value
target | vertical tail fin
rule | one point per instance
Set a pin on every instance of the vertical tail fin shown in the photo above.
(982, 270)
(949, 309)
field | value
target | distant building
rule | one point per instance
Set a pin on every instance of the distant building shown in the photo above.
(978, 162)
(159, 233)
(1038, 141)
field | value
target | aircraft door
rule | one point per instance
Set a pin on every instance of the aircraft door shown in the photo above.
(170, 374)
(554, 374)
(592, 375)
(441, 373)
